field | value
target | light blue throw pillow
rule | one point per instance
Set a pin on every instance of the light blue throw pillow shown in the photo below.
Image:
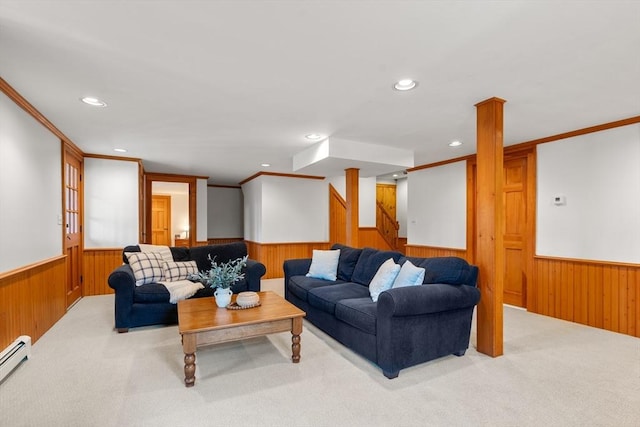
(383, 280)
(324, 264)
(409, 275)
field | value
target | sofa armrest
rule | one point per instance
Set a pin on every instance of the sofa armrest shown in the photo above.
(295, 267)
(253, 273)
(122, 279)
(123, 282)
(425, 299)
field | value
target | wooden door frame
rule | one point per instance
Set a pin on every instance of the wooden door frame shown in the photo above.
(149, 178)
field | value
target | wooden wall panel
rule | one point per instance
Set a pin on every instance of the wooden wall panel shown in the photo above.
(370, 237)
(337, 217)
(221, 240)
(273, 255)
(97, 265)
(598, 294)
(32, 299)
(402, 243)
(430, 251)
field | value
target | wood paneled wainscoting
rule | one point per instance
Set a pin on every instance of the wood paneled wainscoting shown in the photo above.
(600, 294)
(273, 255)
(97, 265)
(432, 251)
(371, 237)
(222, 240)
(32, 299)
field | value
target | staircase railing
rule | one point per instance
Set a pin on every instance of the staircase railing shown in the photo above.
(387, 226)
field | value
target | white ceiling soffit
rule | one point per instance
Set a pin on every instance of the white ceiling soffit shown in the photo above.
(332, 156)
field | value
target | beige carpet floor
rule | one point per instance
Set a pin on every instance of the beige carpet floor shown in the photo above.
(553, 373)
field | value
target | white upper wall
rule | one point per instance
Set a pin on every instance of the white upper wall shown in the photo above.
(252, 201)
(597, 177)
(286, 209)
(225, 212)
(30, 189)
(437, 206)
(110, 203)
(367, 202)
(294, 210)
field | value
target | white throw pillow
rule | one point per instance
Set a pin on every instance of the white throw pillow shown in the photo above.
(409, 275)
(324, 264)
(146, 266)
(383, 280)
(174, 271)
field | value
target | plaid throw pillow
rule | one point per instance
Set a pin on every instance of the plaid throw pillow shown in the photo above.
(146, 266)
(174, 271)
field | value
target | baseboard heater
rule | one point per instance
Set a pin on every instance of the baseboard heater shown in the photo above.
(13, 355)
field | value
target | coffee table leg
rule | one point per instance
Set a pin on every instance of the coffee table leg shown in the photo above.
(296, 330)
(189, 348)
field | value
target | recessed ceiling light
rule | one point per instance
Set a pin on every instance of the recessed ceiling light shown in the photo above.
(455, 144)
(265, 165)
(93, 101)
(315, 136)
(405, 84)
(395, 175)
(119, 150)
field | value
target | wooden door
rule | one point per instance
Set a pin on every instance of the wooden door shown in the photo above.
(337, 217)
(515, 229)
(73, 224)
(386, 195)
(161, 220)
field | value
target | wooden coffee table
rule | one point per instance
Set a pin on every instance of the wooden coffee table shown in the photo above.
(201, 322)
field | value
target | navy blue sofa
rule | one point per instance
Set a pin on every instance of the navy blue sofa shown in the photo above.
(407, 325)
(149, 304)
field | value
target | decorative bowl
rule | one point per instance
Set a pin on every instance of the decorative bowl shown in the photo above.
(246, 299)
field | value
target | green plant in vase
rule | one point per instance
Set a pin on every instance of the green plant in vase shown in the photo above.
(221, 276)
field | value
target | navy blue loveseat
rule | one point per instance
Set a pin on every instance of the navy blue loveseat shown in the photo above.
(407, 325)
(149, 304)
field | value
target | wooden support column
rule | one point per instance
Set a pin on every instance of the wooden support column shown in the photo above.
(489, 254)
(353, 204)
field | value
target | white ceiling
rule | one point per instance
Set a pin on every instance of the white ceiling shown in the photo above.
(215, 88)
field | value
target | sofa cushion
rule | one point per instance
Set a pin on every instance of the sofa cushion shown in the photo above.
(369, 262)
(383, 278)
(326, 297)
(347, 262)
(359, 313)
(174, 271)
(409, 275)
(324, 264)
(146, 267)
(449, 270)
(150, 293)
(219, 253)
(178, 253)
(301, 285)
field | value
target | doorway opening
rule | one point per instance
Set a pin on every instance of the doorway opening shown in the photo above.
(170, 213)
(173, 220)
